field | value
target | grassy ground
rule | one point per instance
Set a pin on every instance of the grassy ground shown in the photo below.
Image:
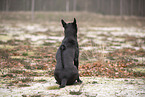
(110, 46)
(83, 18)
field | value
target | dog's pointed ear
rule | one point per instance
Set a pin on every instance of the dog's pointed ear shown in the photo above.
(75, 24)
(74, 21)
(63, 23)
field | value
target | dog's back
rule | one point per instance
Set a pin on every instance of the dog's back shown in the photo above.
(69, 72)
(65, 71)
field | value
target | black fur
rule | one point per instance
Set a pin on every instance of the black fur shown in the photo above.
(62, 47)
(66, 69)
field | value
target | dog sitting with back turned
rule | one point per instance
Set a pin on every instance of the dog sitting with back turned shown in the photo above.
(66, 69)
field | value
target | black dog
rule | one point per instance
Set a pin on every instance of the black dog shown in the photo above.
(66, 69)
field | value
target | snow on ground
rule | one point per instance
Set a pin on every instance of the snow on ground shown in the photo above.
(92, 86)
(111, 37)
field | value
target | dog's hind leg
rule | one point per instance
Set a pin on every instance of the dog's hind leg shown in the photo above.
(78, 80)
(76, 63)
(63, 83)
(76, 59)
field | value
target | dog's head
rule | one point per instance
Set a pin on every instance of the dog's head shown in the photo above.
(70, 29)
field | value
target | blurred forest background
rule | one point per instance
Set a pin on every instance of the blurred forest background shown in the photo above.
(105, 7)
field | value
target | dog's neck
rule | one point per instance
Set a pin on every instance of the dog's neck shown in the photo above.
(70, 34)
(70, 41)
(70, 37)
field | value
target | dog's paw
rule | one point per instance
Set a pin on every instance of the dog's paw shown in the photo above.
(61, 86)
(80, 81)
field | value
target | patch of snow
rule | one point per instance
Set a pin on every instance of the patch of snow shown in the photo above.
(119, 39)
(55, 29)
(106, 28)
(84, 41)
(50, 41)
(102, 87)
(126, 46)
(115, 47)
(34, 28)
(32, 37)
(88, 48)
(55, 38)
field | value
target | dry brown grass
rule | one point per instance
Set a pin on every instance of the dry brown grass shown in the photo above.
(84, 18)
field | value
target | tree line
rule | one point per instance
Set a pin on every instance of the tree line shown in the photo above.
(106, 7)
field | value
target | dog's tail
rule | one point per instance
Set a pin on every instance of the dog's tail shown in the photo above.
(62, 48)
(63, 83)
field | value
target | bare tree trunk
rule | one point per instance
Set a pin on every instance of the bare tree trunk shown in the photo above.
(142, 8)
(98, 6)
(121, 8)
(111, 7)
(74, 5)
(131, 9)
(32, 10)
(7, 5)
(139, 7)
(67, 5)
(86, 5)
